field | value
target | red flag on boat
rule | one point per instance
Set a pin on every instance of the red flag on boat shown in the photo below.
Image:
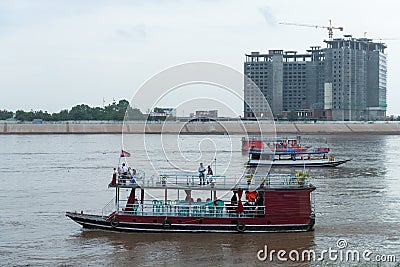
(125, 153)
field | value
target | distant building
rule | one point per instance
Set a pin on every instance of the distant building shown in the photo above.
(206, 114)
(345, 81)
(355, 78)
(169, 112)
(162, 113)
(37, 121)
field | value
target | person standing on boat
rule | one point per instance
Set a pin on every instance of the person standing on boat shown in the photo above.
(234, 199)
(201, 170)
(209, 174)
(114, 178)
(124, 169)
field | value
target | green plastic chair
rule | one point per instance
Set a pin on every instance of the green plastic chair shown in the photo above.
(168, 206)
(155, 206)
(203, 209)
(211, 208)
(196, 211)
(184, 210)
(220, 208)
(161, 206)
(135, 208)
(176, 206)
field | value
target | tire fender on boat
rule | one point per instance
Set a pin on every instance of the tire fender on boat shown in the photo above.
(166, 224)
(114, 222)
(240, 227)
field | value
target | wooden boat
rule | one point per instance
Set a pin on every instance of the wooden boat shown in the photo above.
(264, 203)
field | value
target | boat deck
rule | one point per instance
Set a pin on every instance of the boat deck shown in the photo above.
(217, 182)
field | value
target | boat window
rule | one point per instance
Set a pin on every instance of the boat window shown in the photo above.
(266, 157)
(255, 156)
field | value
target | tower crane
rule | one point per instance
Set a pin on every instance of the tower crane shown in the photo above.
(330, 28)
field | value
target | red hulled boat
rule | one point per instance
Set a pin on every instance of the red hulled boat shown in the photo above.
(177, 203)
(257, 143)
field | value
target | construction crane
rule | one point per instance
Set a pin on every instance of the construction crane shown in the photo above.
(330, 27)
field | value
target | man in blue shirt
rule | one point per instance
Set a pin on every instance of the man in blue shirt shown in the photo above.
(202, 171)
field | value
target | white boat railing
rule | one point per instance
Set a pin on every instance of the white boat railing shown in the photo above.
(108, 208)
(190, 179)
(245, 182)
(182, 208)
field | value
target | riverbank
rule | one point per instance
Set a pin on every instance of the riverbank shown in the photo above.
(223, 127)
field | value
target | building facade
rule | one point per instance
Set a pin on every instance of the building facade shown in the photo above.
(356, 74)
(345, 81)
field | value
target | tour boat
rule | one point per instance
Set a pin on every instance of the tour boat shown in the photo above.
(257, 143)
(177, 203)
(254, 142)
(312, 157)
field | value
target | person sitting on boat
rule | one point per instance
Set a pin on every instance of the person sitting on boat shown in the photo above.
(209, 174)
(131, 174)
(251, 196)
(201, 170)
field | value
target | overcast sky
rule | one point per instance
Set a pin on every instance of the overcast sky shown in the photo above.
(57, 54)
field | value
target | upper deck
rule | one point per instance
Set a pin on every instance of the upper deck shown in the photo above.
(217, 182)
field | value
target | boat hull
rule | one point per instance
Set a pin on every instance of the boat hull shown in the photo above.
(235, 226)
(291, 163)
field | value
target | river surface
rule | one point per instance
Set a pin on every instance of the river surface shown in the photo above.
(42, 176)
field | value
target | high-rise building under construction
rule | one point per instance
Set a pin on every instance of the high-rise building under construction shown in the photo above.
(345, 81)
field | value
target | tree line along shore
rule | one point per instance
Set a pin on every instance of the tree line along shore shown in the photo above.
(112, 112)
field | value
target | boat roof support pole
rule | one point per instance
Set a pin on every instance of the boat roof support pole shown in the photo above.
(141, 196)
(117, 198)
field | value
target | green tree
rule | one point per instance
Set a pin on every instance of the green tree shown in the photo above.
(61, 116)
(158, 110)
(42, 115)
(24, 116)
(292, 116)
(135, 114)
(4, 114)
(278, 117)
(81, 112)
(114, 111)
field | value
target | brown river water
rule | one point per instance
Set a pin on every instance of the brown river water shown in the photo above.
(42, 176)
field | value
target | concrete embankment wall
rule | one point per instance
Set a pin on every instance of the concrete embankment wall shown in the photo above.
(200, 128)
